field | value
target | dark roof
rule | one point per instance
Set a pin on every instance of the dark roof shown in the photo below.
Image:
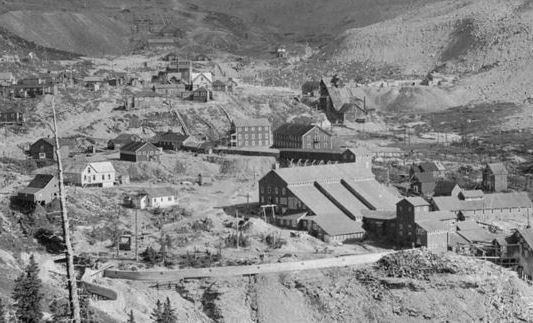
(379, 214)
(125, 138)
(424, 177)
(310, 86)
(497, 168)
(136, 145)
(158, 191)
(41, 180)
(444, 188)
(294, 129)
(428, 167)
(344, 97)
(332, 172)
(63, 142)
(527, 235)
(171, 136)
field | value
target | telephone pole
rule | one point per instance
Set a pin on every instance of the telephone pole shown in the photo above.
(71, 274)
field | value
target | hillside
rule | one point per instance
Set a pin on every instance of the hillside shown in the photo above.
(87, 33)
(477, 39)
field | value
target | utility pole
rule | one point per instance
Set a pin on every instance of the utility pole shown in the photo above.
(71, 274)
(136, 237)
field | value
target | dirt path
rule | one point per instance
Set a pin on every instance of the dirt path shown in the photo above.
(173, 275)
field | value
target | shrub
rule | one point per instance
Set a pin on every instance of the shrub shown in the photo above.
(273, 241)
(234, 238)
(50, 241)
(205, 224)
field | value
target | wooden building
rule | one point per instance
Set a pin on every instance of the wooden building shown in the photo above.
(495, 177)
(201, 80)
(303, 136)
(341, 103)
(44, 148)
(11, 117)
(311, 89)
(90, 174)
(250, 133)
(524, 253)
(169, 140)
(155, 197)
(435, 168)
(423, 184)
(140, 151)
(121, 140)
(41, 190)
(202, 95)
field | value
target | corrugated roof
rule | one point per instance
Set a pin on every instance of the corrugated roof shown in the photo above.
(344, 197)
(259, 122)
(497, 168)
(337, 224)
(294, 129)
(329, 173)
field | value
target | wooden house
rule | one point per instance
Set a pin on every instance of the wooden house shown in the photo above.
(11, 117)
(155, 197)
(90, 174)
(524, 253)
(121, 140)
(202, 95)
(303, 136)
(495, 177)
(250, 133)
(341, 103)
(199, 80)
(169, 140)
(435, 168)
(423, 184)
(219, 86)
(94, 83)
(7, 79)
(44, 148)
(41, 190)
(140, 151)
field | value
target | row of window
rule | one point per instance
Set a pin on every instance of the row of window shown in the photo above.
(156, 199)
(253, 143)
(258, 128)
(260, 136)
(94, 177)
(276, 190)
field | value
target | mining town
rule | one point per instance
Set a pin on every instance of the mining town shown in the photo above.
(280, 161)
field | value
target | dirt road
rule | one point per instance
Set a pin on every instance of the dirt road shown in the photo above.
(173, 275)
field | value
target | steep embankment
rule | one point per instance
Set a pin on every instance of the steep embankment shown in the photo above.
(85, 33)
(481, 39)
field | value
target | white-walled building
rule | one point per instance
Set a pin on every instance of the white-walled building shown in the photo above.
(90, 174)
(156, 197)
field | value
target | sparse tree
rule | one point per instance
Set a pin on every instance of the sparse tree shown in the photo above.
(27, 294)
(169, 314)
(131, 318)
(157, 312)
(3, 318)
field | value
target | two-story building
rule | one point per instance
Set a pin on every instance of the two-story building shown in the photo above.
(169, 140)
(303, 136)
(121, 140)
(44, 148)
(250, 133)
(90, 174)
(140, 151)
(495, 177)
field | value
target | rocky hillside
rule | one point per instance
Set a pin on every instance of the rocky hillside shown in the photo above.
(482, 39)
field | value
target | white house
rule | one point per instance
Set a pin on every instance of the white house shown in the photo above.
(202, 80)
(90, 174)
(157, 197)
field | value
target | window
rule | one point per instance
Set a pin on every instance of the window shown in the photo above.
(84, 177)
(103, 177)
(283, 191)
(89, 170)
(252, 128)
(94, 177)
(42, 155)
(245, 128)
(260, 136)
(269, 190)
(262, 189)
(253, 136)
(246, 136)
(253, 143)
(108, 176)
(276, 190)
(169, 198)
(246, 143)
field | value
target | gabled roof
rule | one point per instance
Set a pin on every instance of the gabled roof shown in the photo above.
(416, 201)
(259, 122)
(337, 224)
(136, 145)
(489, 201)
(159, 191)
(125, 137)
(497, 168)
(444, 188)
(433, 226)
(428, 167)
(333, 172)
(296, 129)
(63, 142)
(40, 180)
(527, 235)
(472, 194)
(344, 97)
(207, 75)
(424, 177)
(171, 136)
(103, 167)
